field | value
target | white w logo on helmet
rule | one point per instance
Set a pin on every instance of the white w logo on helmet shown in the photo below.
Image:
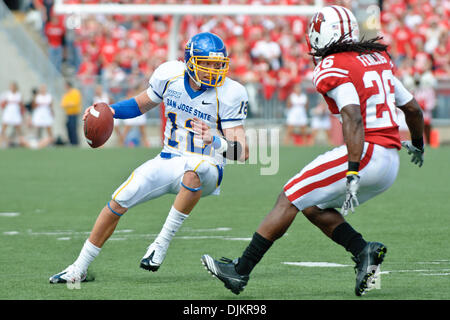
(330, 25)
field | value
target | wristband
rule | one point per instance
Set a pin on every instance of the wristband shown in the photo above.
(126, 109)
(353, 166)
(234, 150)
(219, 144)
(418, 143)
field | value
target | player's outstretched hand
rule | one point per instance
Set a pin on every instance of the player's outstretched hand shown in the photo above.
(351, 201)
(417, 154)
(202, 130)
(88, 109)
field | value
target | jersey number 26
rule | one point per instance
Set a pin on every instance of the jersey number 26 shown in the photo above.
(380, 107)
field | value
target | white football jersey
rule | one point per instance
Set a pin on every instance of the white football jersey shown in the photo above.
(220, 108)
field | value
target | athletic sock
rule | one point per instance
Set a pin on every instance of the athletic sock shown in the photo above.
(87, 255)
(173, 222)
(253, 254)
(347, 237)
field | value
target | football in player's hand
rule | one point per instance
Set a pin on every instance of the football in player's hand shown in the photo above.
(98, 125)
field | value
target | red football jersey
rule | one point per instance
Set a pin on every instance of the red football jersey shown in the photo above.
(372, 76)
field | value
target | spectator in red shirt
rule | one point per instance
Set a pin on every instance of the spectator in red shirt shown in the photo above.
(269, 83)
(441, 57)
(108, 51)
(54, 31)
(127, 56)
(286, 80)
(422, 59)
(92, 48)
(402, 42)
(138, 34)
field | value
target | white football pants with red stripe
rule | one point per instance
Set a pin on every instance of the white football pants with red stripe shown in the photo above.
(322, 182)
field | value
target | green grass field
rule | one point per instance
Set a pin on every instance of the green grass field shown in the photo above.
(49, 200)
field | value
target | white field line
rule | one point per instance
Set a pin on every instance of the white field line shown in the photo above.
(11, 233)
(316, 264)
(424, 272)
(9, 214)
(206, 230)
(419, 271)
(129, 233)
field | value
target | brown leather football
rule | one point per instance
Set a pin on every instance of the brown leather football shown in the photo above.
(98, 125)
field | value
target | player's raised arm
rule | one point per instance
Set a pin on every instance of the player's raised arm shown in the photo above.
(144, 102)
(130, 108)
(133, 107)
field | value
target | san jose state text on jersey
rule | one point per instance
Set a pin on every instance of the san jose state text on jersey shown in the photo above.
(188, 109)
(220, 108)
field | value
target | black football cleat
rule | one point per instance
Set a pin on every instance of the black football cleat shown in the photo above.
(148, 264)
(367, 262)
(154, 257)
(225, 271)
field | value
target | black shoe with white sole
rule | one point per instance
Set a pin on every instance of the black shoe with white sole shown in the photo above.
(225, 271)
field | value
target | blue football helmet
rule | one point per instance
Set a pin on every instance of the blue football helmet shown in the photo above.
(206, 53)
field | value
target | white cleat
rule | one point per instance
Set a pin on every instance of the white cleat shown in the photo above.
(154, 257)
(71, 274)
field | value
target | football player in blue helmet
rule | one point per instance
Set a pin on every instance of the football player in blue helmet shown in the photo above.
(206, 59)
(205, 113)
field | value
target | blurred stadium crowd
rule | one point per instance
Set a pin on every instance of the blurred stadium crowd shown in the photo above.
(119, 52)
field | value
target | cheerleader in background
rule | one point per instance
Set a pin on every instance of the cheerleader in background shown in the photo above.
(43, 117)
(12, 115)
(297, 118)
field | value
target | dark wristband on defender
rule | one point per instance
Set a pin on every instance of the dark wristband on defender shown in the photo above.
(353, 166)
(418, 143)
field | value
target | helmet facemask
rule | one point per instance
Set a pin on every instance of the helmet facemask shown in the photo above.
(215, 75)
